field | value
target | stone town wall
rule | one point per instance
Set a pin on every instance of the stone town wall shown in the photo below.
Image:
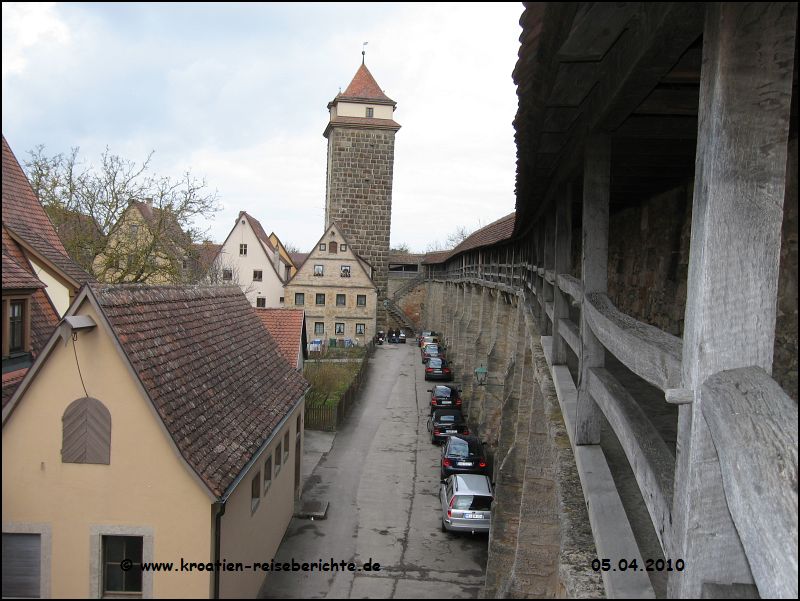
(546, 554)
(359, 195)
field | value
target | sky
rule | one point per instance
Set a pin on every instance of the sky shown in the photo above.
(237, 94)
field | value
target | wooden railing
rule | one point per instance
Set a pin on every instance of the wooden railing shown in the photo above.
(753, 422)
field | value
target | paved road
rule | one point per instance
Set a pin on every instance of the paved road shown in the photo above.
(381, 479)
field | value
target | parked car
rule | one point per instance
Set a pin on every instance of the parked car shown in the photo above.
(429, 340)
(422, 335)
(463, 455)
(466, 501)
(431, 350)
(445, 422)
(438, 369)
(445, 396)
(402, 337)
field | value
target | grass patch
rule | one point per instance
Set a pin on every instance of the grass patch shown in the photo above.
(329, 381)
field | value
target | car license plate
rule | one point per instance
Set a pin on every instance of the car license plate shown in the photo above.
(473, 516)
(446, 402)
(437, 371)
(451, 431)
(464, 464)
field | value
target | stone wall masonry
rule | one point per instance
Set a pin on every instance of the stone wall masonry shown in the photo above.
(359, 195)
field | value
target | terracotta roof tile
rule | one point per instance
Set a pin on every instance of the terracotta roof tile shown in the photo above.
(491, 234)
(286, 327)
(258, 229)
(16, 277)
(21, 208)
(42, 247)
(10, 382)
(364, 87)
(439, 256)
(214, 374)
(298, 259)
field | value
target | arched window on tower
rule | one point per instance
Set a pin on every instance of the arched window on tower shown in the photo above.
(86, 432)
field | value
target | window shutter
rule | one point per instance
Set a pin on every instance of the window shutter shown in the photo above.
(21, 565)
(86, 435)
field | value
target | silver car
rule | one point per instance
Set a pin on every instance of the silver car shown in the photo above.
(466, 503)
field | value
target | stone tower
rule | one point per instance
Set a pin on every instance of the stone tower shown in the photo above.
(358, 194)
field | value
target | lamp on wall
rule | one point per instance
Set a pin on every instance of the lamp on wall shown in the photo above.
(481, 373)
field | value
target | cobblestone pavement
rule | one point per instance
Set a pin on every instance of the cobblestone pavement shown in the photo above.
(381, 479)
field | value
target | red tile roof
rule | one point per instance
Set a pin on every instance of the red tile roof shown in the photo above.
(364, 87)
(440, 256)
(17, 277)
(258, 229)
(21, 208)
(214, 374)
(10, 382)
(491, 234)
(298, 259)
(286, 327)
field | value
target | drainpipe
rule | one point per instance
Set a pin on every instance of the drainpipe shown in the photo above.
(219, 511)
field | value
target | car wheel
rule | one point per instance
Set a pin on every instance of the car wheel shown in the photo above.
(444, 528)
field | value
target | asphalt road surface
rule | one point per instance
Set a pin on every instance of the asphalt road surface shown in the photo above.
(381, 479)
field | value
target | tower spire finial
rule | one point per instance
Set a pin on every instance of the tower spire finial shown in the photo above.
(364, 52)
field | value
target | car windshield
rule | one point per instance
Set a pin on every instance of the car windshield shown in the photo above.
(435, 362)
(442, 392)
(473, 502)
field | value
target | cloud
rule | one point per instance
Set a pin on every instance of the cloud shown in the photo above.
(27, 26)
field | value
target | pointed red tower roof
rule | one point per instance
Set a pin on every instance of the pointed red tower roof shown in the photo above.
(364, 87)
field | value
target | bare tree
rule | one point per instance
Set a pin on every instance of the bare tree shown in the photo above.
(90, 209)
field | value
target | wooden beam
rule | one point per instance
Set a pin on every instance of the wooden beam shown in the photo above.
(569, 332)
(650, 353)
(563, 255)
(651, 461)
(737, 212)
(682, 101)
(596, 31)
(570, 285)
(594, 275)
(753, 423)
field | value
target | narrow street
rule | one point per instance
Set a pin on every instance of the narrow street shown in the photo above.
(381, 479)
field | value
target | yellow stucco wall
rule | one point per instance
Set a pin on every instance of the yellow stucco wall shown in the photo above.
(251, 536)
(145, 486)
(352, 109)
(57, 289)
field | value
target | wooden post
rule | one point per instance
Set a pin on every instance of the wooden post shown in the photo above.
(539, 279)
(563, 245)
(737, 211)
(594, 274)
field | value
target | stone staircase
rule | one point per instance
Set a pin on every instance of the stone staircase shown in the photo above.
(398, 314)
(409, 285)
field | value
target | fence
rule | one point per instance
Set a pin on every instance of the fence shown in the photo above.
(329, 418)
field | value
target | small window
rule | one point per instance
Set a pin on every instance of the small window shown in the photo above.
(286, 446)
(267, 473)
(320, 299)
(255, 492)
(341, 300)
(361, 300)
(339, 328)
(258, 275)
(115, 579)
(281, 300)
(319, 327)
(322, 246)
(299, 298)
(16, 326)
(343, 247)
(332, 247)
(243, 250)
(278, 456)
(319, 270)
(345, 271)
(261, 302)
(360, 327)
(134, 230)
(227, 275)
(370, 112)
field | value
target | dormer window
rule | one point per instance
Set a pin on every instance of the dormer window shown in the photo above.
(370, 112)
(16, 326)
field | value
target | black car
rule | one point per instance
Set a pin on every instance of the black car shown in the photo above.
(445, 422)
(463, 455)
(445, 397)
(438, 369)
